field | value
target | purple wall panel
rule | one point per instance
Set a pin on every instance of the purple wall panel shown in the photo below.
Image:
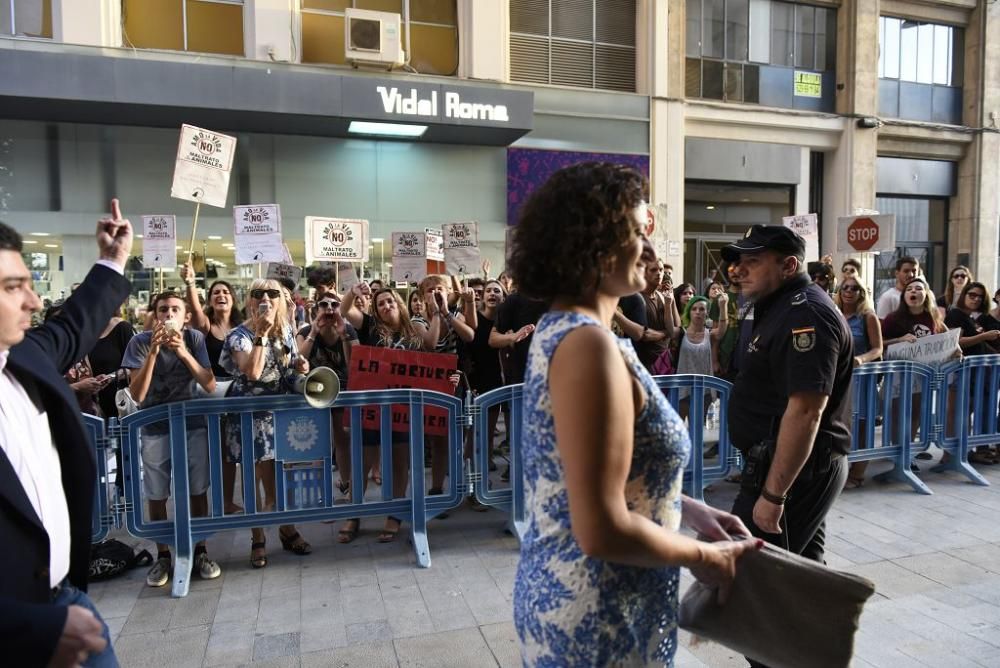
(529, 168)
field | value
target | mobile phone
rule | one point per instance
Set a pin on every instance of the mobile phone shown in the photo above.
(170, 325)
(263, 308)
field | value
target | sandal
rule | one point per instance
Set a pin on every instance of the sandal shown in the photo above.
(258, 560)
(853, 483)
(977, 457)
(388, 535)
(295, 543)
(349, 531)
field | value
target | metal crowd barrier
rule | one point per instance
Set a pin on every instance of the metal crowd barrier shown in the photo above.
(898, 409)
(303, 493)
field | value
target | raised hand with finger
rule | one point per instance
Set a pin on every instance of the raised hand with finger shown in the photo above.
(114, 236)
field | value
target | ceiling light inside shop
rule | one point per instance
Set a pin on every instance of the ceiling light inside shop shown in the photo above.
(138, 236)
(378, 240)
(52, 245)
(386, 129)
(710, 207)
(29, 241)
(40, 234)
(214, 237)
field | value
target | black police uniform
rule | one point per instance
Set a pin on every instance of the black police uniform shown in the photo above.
(800, 342)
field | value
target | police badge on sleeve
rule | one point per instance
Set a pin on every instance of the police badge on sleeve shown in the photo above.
(804, 339)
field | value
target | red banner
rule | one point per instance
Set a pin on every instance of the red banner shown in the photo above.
(387, 369)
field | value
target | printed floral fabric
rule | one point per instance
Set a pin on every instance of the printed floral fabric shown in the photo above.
(574, 610)
(276, 378)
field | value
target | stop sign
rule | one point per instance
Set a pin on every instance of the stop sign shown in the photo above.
(862, 234)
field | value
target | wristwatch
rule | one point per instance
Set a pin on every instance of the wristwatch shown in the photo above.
(261, 341)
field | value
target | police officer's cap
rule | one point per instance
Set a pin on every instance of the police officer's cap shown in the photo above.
(766, 237)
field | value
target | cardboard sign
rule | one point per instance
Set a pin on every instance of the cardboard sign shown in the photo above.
(278, 270)
(347, 278)
(933, 349)
(435, 244)
(257, 234)
(409, 269)
(866, 233)
(159, 241)
(204, 161)
(384, 368)
(461, 248)
(459, 261)
(336, 239)
(409, 256)
(807, 227)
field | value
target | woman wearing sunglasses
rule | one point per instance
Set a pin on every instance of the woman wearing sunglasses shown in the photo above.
(959, 277)
(866, 330)
(263, 359)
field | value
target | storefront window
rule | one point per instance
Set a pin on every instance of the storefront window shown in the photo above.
(26, 18)
(921, 232)
(433, 32)
(203, 26)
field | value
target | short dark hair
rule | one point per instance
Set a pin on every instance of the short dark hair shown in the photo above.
(851, 262)
(10, 239)
(476, 282)
(906, 259)
(577, 217)
(167, 294)
(321, 276)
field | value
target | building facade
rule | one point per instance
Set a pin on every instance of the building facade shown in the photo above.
(740, 111)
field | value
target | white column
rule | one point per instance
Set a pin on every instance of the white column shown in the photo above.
(269, 28)
(484, 35)
(89, 22)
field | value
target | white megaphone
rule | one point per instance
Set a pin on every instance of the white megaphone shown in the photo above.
(320, 387)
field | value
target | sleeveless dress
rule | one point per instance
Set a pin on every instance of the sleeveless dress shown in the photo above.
(571, 609)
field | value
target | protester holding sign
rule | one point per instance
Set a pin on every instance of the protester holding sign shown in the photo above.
(262, 357)
(388, 327)
(327, 341)
(484, 360)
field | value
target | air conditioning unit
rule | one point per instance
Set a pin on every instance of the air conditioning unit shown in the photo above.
(373, 38)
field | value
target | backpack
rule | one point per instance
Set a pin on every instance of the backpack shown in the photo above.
(110, 558)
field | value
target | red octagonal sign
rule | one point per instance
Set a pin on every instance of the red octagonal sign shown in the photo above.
(862, 234)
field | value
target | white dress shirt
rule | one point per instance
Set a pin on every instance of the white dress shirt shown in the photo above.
(27, 441)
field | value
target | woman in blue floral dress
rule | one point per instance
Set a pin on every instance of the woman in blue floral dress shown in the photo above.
(261, 356)
(604, 453)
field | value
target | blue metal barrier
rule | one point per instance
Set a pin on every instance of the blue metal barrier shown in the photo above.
(511, 499)
(94, 428)
(311, 494)
(968, 389)
(904, 401)
(697, 476)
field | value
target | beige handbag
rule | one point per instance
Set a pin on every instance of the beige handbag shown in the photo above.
(784, 611)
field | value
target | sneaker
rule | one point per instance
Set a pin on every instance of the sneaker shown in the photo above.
(207, 569)
(159, 574)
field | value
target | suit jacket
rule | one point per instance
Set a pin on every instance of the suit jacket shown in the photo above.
(30, 625)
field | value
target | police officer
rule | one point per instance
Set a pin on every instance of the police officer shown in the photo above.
(789, 409)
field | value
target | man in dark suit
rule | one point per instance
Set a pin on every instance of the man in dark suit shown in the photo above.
(47, 469)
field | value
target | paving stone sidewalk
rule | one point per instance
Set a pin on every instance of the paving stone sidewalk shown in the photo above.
(935, 560)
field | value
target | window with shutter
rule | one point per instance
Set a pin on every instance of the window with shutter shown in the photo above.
(580, 43)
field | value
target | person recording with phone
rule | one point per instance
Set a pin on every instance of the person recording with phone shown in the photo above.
(262, 357)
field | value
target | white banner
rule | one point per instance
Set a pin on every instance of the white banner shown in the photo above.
(807, 227)
(159, 241)
(932, 349)
(409, 269)
(336, 239)
(409, 244)
(435, 244)
(460, 235)
(460, 261)
(257, 234)
(276, 270)
(204, 161)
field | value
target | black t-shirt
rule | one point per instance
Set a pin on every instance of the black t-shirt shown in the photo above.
(485, 361)
(516, 312)
(106, 357)
(331, 355)
(957, 318)
(634, 308)
(800, 342)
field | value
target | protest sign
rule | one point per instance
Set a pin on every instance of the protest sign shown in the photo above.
(257, 234)
(434, 241)
(409, 256)
(384, 368)
(461, 248)
(159, 241)
(204, 161)
(807, 227)
(347, 278)
(278, 270)
(932, 349)
(336, 239)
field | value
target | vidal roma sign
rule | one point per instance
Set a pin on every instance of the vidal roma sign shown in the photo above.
(866, 234)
